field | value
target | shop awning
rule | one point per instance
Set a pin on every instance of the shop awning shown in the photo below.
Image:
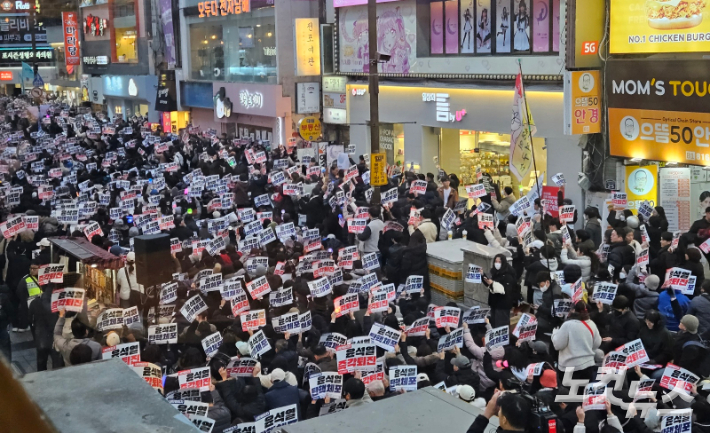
(87, 253)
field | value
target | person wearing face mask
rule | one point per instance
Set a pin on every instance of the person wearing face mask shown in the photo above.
(128, 288)
(546, 318)
(620, 253)
(623, 325)
(501, 286)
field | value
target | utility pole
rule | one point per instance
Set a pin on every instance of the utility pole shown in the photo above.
(374, 88)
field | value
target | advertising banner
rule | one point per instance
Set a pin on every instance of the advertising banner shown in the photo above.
(658, 110)
(658, 26)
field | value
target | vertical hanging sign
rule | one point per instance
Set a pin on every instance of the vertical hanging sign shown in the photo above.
(71, 40)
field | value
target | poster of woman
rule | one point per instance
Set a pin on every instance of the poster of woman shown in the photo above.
(503, 39)
(467, 26)
(451, 11)
(521, 41)
(541, 17)
(483, 26)
(395, 36)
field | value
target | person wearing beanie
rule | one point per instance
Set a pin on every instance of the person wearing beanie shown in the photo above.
(112, 339)
(689, 352)
(463, 374)
(548, 379)
(693, 263)
(700, 308)
(281, 393)
(664, 258)
(646, 296)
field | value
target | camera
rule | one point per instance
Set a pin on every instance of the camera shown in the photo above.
(542, 418)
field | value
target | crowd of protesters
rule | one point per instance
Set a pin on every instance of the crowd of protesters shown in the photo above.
(289, 220)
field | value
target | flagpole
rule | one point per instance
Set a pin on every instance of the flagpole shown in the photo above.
(532, 145)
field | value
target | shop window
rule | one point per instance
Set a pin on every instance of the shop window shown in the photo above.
(463, 152)
(238, 48)
(486, 27)
(125, 31)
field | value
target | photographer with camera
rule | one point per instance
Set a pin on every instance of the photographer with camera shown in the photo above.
(512, 411)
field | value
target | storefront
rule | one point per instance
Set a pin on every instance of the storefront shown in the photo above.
(257, 111)
(235, 44)
(658, 112)
(166, 103)
(463, 128)
(129, 96)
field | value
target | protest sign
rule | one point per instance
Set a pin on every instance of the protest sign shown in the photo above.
(384, 336)
(635, 353)
(151, 373)
(52, 273)
(678, 421)
(193, 307)
(326, 384)
(320, 287)
(594, 396)
(418, 328)
(281, 297)
(566, 213)
(241, 367)
(268, 421)
(111, 318)
(473, 275)
(476, 190)
(332, 340)
(258, 344)
(497, 337)
(476, 315)
(403, 377)
(211, 343)
(351, 357)
(447, 316)
(346, 303)
(485, 220)
(127, 352)
(604, 292)
(451, 340)
(675, 377)
(258, 287)
(195, 378)
(68, 299)
(253, 320)
(414, 284)
(163, 334)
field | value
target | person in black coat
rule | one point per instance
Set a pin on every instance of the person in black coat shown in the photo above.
(546, 318)
(395, 252)
(42, 322)
(623, 325)
(501, 286)
(620, 253)
(692, 263)
(665, 259)
(414, 260)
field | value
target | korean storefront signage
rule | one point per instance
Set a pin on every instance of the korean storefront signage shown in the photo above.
(582, 102)
(307, 46)
(71, 39)
(309, 128)
(166, 99)
(443, 107)
(335, 84)
(659, 110)
(96, 60)
(95, 26)
(5, 75)
(249, 99)
(214, 8)
(307, 98)
(641, 185)
(344, 3)
(658, 26)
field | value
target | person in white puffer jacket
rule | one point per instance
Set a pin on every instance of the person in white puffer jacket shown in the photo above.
(587, 260)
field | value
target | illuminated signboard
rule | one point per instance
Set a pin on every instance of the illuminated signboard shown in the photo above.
(214, 8)
(659, 26)
(307, 46)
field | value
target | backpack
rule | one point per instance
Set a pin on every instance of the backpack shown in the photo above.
(703, 368)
